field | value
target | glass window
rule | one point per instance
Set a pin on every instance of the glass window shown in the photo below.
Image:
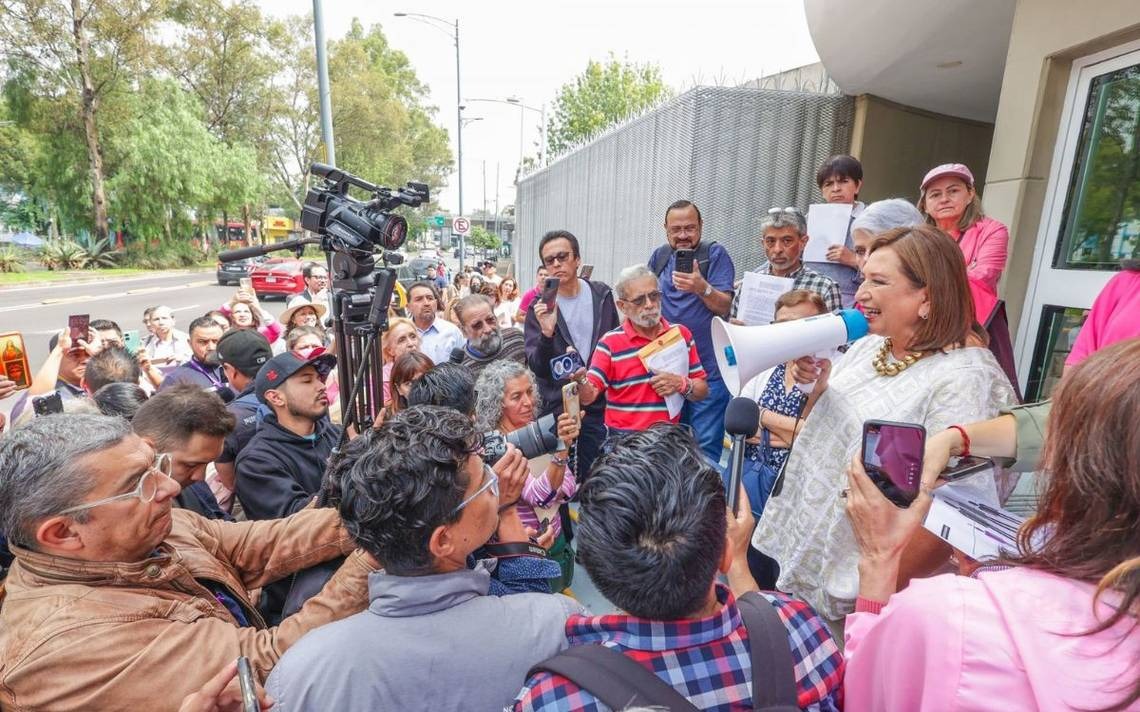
(1055, 339)
(1101, 220)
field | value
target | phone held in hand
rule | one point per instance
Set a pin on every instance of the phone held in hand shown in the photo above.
(47, 405)
(564, 365)
(550, 291)
(77, 327)
(586, 271)
(15, 359)
(892, 456)
(684, 261)
(962, 467)
(131, 340)
(570, 400)
(246, 283)
(249, 701)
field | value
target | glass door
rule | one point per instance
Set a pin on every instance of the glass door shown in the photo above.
(1092, 219)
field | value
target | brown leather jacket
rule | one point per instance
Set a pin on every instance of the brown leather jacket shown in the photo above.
(80, 635)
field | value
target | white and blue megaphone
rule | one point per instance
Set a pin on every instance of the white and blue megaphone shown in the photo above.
(743, 352)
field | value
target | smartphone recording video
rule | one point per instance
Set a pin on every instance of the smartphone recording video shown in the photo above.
(892, 457)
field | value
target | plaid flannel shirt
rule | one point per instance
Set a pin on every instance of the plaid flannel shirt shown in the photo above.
(705, 660)
(803, 278)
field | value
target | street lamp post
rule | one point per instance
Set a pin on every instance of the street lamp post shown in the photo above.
(542, 127)
(441, 23)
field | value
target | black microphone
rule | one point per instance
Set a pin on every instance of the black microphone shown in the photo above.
(741, 420)
(456, 356)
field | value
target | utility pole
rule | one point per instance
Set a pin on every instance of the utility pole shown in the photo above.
(323, 83)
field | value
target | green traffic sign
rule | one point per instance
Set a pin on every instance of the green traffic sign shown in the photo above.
(439, 220)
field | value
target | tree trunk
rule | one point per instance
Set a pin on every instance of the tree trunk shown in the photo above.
(245, 219)
(90, 127)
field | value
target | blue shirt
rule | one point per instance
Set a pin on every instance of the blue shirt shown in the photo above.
(689, 309)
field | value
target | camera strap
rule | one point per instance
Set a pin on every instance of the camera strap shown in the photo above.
(513, 549)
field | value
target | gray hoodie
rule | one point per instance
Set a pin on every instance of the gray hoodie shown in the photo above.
(434, 642)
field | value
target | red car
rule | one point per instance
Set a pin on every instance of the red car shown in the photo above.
(279, 276)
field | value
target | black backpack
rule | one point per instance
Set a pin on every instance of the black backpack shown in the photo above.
(659, 260)
(620, 682)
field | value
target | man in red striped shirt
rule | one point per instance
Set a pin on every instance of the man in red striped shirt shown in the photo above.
(635, 397)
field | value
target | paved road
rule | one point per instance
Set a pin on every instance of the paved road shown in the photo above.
(38, 312)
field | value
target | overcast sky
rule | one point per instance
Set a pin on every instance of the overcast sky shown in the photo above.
(530, 49)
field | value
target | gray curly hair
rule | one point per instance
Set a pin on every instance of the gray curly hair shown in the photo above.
(489, 391)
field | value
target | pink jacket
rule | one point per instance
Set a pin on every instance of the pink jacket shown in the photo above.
(1007, 639)
(1115, 316)
(984, 245)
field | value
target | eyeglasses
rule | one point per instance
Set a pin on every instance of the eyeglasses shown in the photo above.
(490, 482)
(551, 260)
(779, 211)
(683, 230)
(146, 489)
(639, 302)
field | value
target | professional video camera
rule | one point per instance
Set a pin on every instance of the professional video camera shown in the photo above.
(352, 233)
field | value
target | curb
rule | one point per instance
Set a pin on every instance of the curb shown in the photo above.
(96, 277)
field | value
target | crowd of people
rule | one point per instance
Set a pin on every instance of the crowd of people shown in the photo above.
(196, 499)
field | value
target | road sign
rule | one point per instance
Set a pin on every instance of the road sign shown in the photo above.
(461, 226)
(439, 220)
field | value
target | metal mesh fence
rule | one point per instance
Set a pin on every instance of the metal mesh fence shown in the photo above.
(735, 152)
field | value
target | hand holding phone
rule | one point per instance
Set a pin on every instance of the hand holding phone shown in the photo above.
(892, 457)
(249, 701)
(246, 283)
(49, 404)
(131, 341)
(550, 292)
(586, 271)
(15, 363)
(570, 401)
(78, 327)
(684, 261)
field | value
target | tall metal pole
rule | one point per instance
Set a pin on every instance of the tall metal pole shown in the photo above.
(522, 116)
(459, 139)
(323, 83)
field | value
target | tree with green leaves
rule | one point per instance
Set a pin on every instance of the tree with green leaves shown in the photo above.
(603, 95)
(484, 239)
(80, 51)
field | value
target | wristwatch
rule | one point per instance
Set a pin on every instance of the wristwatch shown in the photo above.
(708, 289)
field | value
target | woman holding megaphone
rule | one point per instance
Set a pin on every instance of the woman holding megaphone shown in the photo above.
(915, 366)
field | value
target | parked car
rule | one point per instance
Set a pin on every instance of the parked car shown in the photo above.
(419, 266)
(232, 272)
(278, 276)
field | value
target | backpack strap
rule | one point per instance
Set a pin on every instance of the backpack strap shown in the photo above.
(616, 680)
(659, 259)
(773, 668)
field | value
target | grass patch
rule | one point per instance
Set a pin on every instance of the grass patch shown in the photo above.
(10, 278)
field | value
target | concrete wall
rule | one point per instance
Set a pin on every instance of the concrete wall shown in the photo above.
(1047, 36)
(898, 144)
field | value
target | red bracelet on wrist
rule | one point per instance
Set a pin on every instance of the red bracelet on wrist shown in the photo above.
(965, 439)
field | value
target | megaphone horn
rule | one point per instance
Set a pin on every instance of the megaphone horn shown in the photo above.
(744, 352)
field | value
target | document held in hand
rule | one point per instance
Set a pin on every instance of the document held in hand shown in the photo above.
(758, 295)
(668, 353)
(827, 225)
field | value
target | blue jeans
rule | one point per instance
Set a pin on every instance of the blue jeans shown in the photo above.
(706, 418)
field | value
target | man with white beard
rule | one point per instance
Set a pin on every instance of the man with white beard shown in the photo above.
(635, 397)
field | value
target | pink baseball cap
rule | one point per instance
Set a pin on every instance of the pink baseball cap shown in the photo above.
(948, 169)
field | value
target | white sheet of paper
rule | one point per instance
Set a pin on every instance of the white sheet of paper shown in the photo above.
(826, 225)
(758, 295)
(672, 359)
(967, 516)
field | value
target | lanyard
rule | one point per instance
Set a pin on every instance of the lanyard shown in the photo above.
(217, 382)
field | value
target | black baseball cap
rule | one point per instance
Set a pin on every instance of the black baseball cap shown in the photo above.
(281, 367)
(244, 349)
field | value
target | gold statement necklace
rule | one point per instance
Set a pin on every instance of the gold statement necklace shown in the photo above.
(893, 368)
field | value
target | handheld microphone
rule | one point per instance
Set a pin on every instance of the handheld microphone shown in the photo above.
(741, 420)
(456, 356)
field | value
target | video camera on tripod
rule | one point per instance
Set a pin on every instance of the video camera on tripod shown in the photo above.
(352, 233)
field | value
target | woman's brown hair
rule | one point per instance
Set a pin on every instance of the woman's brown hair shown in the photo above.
(408, 367)
(932, 261)
(1087, 525)
(970, 215)
(513, 294)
